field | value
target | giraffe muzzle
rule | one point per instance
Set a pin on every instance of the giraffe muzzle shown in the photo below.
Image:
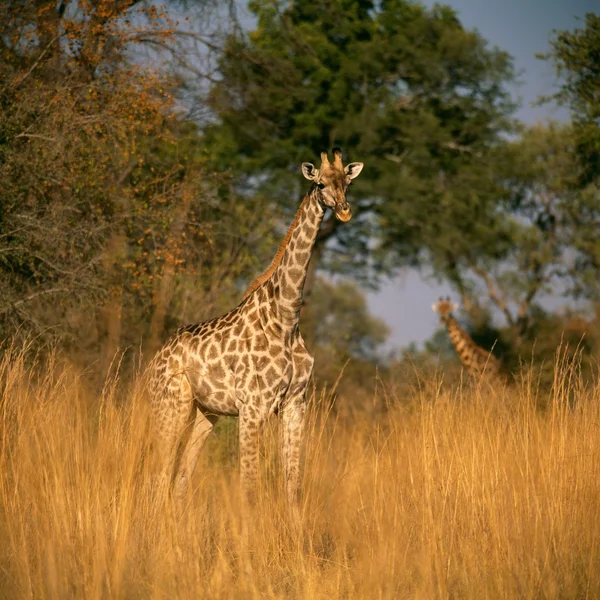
(343, 213)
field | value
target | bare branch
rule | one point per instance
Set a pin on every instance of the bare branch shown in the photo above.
(35, 136)
(494, 293)
(396, 159)
(23, 77)
(33, 296)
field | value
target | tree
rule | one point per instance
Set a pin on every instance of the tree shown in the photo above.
(112, 225)
(576, 56)
(403, 88)
(541, 238)
(339, 330)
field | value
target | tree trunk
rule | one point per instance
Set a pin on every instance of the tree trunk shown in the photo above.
(112, 312)
(164, 293)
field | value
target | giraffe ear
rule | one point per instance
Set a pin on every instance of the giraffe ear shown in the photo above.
(353, 169)
(310, 171)
(434, 307)
(455, 306)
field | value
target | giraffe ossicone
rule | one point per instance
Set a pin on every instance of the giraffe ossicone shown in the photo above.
(474, 358)
(252, 361)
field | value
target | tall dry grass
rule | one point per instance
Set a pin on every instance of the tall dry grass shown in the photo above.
(473, 493)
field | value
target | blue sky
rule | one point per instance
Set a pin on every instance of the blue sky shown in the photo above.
(523, 28)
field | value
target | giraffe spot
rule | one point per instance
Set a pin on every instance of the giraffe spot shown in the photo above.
(275, 330)
(261, 363)
(289, 293)
(260, 343)
(271, 375)
(213, 353)
(275, 350)
(230, 360)
(218, 372)
(303, 244)
(264, 313)
(303, 257)
(232, 347)
(282, 363)
(295, 275)
(232, 315)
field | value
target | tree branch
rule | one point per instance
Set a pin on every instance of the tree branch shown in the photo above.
(494, 293)
(23, 77)
(34, 296)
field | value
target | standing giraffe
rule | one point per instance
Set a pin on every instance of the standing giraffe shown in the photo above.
(474, 359)
(252, 361)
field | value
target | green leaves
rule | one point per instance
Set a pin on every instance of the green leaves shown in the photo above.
(403, 88)
(576, 56)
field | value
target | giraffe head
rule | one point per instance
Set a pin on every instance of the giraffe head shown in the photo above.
(444, 308)
(331, 182)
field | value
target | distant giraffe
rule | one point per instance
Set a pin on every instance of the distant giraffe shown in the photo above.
(251, 362)
(474, 359)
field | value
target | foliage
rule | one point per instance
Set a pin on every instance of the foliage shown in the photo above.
(111, 221)
(342, 335)
(337, 319)
(403, 88)
(542, 242)
(576, 55)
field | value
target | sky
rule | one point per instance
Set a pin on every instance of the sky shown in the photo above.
(523, 28)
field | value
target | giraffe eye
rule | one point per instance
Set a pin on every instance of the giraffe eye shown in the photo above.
(321, 186)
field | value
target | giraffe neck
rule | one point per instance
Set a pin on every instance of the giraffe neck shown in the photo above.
(463, 344)
(290, 274)
(268, 273)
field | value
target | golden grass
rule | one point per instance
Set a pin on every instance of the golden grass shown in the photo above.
(469, 494)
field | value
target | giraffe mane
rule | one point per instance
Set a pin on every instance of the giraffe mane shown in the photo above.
(268, 272)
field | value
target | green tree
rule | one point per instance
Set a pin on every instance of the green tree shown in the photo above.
(112, 226)
(576, 56)
(339, 329)
(404, 88)
(541, 236)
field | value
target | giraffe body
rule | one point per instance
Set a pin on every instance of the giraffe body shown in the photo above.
(474, 359)
(252, 361)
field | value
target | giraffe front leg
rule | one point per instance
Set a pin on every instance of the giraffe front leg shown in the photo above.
(293, 412)
(292, 434)
(249, 427)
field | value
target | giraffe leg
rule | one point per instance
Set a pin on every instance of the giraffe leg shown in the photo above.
(201, 426)
(173, 408)
(292, 430)
(293, 412)
(249, 427)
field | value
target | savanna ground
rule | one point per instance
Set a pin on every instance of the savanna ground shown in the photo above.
(471, 492)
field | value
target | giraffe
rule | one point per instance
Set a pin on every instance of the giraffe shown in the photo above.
(474, 359)
(251, 362)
